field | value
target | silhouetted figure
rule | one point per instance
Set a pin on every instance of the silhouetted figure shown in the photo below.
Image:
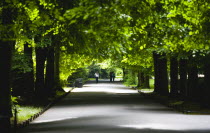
(113, 76)
(110, 75)
(96, 76)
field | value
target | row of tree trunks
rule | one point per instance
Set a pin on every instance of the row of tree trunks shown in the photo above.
(188, 81)
(44, 85)
(47, 84)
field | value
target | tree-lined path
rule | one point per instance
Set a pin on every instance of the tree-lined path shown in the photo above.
(113, 108)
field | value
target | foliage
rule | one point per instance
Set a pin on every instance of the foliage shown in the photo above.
(130, 78)
(121, 33)
(79, 73)
(70, 63)
(20, 63)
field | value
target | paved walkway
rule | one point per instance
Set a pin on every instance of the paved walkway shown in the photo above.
(113, 108)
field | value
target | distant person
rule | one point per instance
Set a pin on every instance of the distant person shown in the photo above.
(110, 75)
(113, 76)
(96, 76)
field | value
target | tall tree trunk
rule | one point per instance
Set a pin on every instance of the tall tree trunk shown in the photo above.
(161, 74)
(147, 85)
(8, 14)
(139, 79)
(192, 88)
(142, 79)
(124, 73)
(29, 76)
(57, 65)
(156, 73)
(49, 79)
(173, 76)
(183, 77)
(40, 67)
(162, 66)
(5, 94)
(206, 93)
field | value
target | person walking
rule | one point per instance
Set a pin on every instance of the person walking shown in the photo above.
(96, 76)
(110, 75)
(113, 76)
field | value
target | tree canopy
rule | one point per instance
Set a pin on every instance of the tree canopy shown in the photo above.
(57, 37)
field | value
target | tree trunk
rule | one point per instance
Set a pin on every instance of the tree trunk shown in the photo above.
(147, 85)
(161, 74)
(173, 76)
(40, 67)
(139, 79)
(156, 73)
(162, 66)
(193, 92)
(142, 79)
(206, 93)
(49, 79)
(57, 66)
(124, 73)
(5, 94)
(183, 77)
(29, 76)
(8, 14)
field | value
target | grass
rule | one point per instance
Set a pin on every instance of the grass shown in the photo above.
(26, 112)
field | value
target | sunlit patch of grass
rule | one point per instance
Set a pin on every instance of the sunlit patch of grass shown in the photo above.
(26, 112)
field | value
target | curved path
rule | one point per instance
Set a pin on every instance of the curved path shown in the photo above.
(113, 108)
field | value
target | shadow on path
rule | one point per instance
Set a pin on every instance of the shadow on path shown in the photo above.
(106, 107)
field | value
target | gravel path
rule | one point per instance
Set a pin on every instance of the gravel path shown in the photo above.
(106, 107)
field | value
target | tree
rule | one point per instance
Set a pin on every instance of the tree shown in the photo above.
(6, 45)
(183, 77)
(174, 76)
(161, 74)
